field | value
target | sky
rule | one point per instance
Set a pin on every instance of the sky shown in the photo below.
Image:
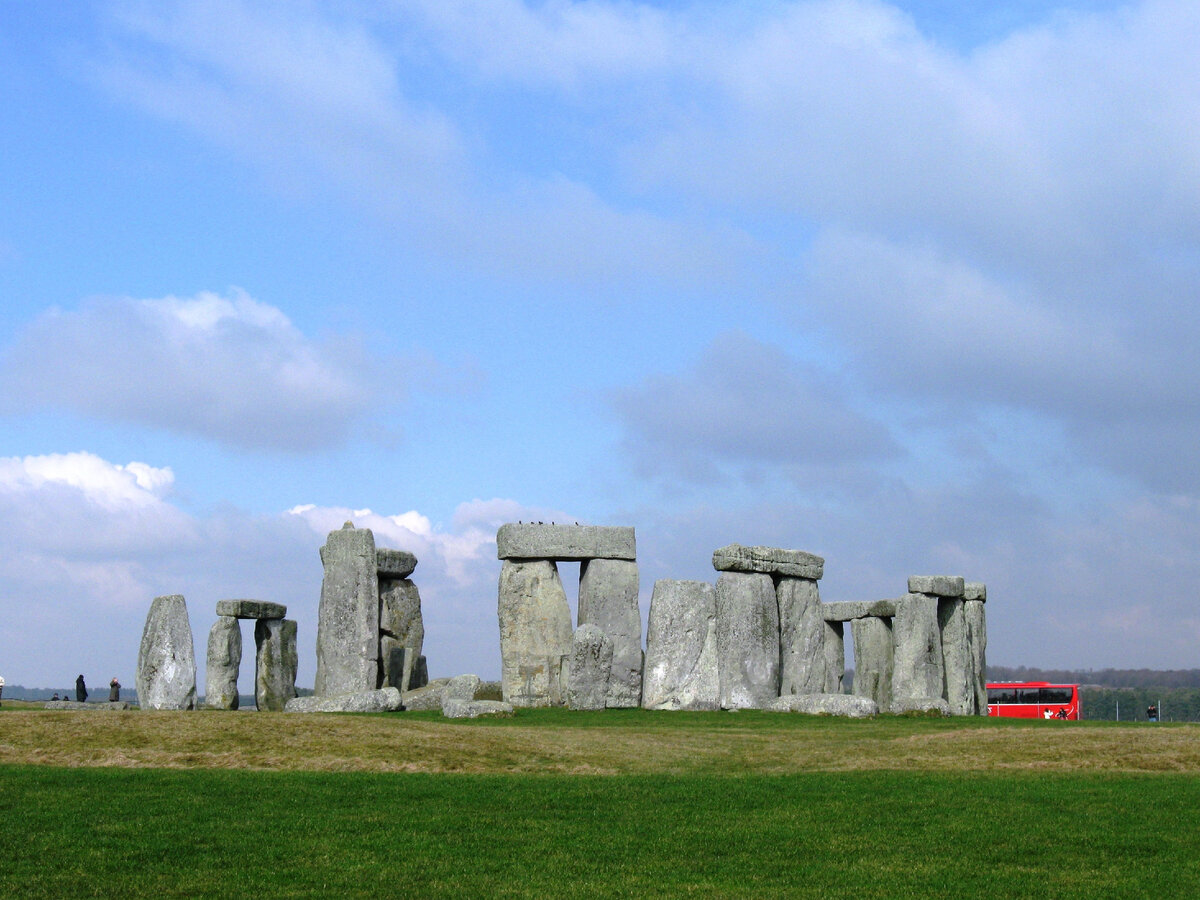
(909, 285)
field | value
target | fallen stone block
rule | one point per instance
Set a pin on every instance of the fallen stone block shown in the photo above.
(924, 705)
(825, 705)
(937, 585)
(116, 705)
(608, 599)
(769, 560)
(801, 637)
(681, 647)
(394, 563)
(386, 699)
(251, 609)
(476, 709)
(461, 687)
(222, 664)
(566, 543)
(426, 697)
(166, 667)
(591, 663)
(747, 640)
(847, 610)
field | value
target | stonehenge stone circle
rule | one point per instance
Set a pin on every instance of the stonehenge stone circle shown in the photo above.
(348, 617)
(681, 647)
(535, 633)
(222, 664)
(275, 663)
(166, 666)
(747, 640)
(801, 637)
(608, 598)
(591, 663)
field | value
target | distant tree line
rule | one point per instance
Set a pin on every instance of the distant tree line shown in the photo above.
(1109, 678)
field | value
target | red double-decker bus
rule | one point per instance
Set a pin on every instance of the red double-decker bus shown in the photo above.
(1034, 700)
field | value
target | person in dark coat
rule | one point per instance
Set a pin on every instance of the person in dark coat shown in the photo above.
(80, 690)
(114, 690)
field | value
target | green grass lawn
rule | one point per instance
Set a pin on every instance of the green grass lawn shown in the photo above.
(119, 832)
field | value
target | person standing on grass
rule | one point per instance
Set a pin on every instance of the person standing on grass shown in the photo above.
(80, 690)
(1, 685)
(114, 690)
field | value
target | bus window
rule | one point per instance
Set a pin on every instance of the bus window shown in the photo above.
(1056, 695)
(1002, 695)
(1029, 695)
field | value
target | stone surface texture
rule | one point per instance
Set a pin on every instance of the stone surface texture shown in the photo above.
(348, 617)
(747, 640)
(938, 585)
(428, 696)
(535, 633)
(835, 656)
(845, 610)
(222, 664)
(591, 664)
(957, 675)
(573, 543)
(475, 709)
(681, 647)
(975, 614)
(608, 599)
(400, 626)
(275, 663)
(873, 659)
(825, 704)
(114, 706)
(166, 667)
(386, 699)
(251, 609)
(917, 670)
(461, 687)
(975, 590)
(394, 563)
(801, 637)
(926, 705)
(768, 560)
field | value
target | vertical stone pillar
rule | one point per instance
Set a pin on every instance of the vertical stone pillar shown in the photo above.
(400, 624)
(608, 599)
(747, 640)
(959, 681)
(917, 673)
(348, 618)
(681, 647)
(535, 633)
(835, 656)
(974, 598)
(873, 659)
(166, 666)
(222, 664)
(275, 663)
(802, 664)
(591, 666)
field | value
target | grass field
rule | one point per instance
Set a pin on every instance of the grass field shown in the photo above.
(620, 803)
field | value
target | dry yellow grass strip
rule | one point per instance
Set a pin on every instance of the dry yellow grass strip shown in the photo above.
(403, 743)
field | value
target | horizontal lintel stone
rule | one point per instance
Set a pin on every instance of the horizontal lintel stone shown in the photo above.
(938, 585)
(846, 610)
(569, 543)
(394, 563)
(251, 609)
(975, 590)
(769, 560)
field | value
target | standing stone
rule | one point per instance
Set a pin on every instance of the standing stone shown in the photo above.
(591, 665)
(535, 633)
(835, 656)
(873, 659)
(917, 672)
(275, 663)
(975, 616)
(681, 647)
(224, 660)
(348, 618)
(166, 668)
(405, 670)
(959, 683)
(747, 640)
(608, 599)
(802, 668)
(400, 624)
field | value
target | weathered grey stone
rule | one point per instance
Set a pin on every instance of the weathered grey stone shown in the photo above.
(845, 610)
(564, 542)
(404, 669)
(958, 678)
(681, 647)
(608, 599)
(420, 673)
(768, 560)
(475, 709)
(825, 705)
(87, 707)
(535, 633)
(348, 618)
(222, 664)
(917, 670)
(835, 656)
(383, 700)
(801, 637)
(975, 590)
(251, 609)
(747, 640)
(975, 615)
(427, 697)
(394, 563)
(461, 687)
(873, 659)
(166, 668)
(275, 663)
(490, 690)
(938, 585)
(926, 705)
(591, 663)
(400, 626)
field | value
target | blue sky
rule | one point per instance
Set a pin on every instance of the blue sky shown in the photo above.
(911, 286)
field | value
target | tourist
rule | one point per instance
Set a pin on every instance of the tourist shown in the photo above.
(1, 685)
(80, 690)
(54, 699)
(114, 690)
